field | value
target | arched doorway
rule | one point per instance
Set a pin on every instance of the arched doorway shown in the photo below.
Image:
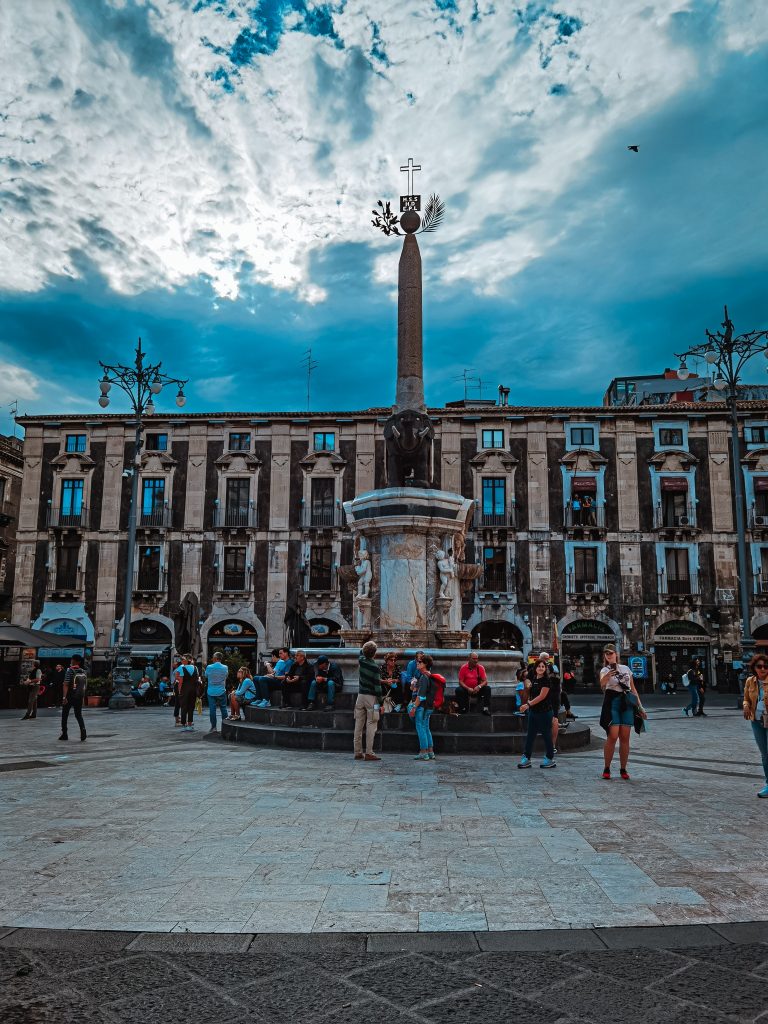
(582, 642)
(497, 634)
(236, 639)
(151, 643)
(676, 643)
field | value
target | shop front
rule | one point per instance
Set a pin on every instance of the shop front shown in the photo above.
(54, 661)
(582, 643)
(675, 645)
(236, 639)
(151, 645)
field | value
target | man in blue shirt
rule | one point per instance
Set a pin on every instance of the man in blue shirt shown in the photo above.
(282, 663)
(216, 676)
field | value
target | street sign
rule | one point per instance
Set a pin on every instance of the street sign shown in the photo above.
(638, 666)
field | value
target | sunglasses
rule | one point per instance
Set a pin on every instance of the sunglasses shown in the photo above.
(761, 664)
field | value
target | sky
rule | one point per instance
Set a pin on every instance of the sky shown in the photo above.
(201, 173)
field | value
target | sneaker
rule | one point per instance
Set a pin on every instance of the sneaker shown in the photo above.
(606, 773)
(212, 729)
(421, 757)
(624, 774)
(685, 712)
(764, 791)
(263, 704)
(546, 763)
(524, 762)
(556, 751)
(432, 756)
(177, 725)
(486, 711)
(519, 714)
(310, 706)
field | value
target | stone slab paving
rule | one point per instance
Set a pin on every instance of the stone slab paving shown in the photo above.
(565, 976)
(146, 829)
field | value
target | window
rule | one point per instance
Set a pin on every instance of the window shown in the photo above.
(71, 502)
(239, 442)
(674, 507)
(493, 439)
(584, 568)
(323, 500)
(75, 443)
(670, 437)
(678, 571)
(67, 558)
(761, 501)
(495, 569)
(758, 435)
(582, 437)
(325, 442)
(764, 564)
(234, 569)
(494, 501)
(148, 574)
(152, 501)
(625, 391)
(238, 501)
(320, 567)
(2, 489)
(157, 443)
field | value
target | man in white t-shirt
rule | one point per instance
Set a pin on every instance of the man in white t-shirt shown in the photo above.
(216, 677)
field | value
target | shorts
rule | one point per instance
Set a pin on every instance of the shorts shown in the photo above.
(619, 717)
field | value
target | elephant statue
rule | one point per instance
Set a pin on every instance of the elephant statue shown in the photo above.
(409, 435)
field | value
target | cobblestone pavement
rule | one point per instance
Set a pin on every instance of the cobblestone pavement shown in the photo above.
(149, 829)
(122, 979)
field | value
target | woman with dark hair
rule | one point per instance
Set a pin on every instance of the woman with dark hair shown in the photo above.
(422, 706)
(755, 711)
(539, 707)
(390, 679)
(188, 692)
(618, 715)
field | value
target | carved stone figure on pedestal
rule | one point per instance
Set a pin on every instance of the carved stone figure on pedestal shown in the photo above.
(446, 566)
(364, 573)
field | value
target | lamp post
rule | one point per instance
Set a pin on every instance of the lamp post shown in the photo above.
(141, 383)
(728, 355)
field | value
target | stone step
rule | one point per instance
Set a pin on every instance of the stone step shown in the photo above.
(398, 740)
(395, 721)
(345, 701)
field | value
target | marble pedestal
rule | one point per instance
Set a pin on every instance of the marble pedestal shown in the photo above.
(403, 528)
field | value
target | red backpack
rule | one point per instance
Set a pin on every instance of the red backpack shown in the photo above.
(439, 682)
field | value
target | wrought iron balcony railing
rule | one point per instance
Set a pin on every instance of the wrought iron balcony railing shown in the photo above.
(671, 519)
(592, 517)
(155, 519)
(678, 586)
(233, 581)
(499, 520)
(497, 579)
(149, 581)
(585, 585)
(64, 581)
(321, 518)
(66, 519)
(235, 517)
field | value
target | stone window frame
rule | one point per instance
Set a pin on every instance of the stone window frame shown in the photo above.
(506, 467)
(322, 464)
(239, 433)
(157, 433)
(483, 447)
(223, 542)
(226, 470)
(324, 434)
(166, 472)
(66, 450)
(571, 446)
(749, 425)
(671, 425)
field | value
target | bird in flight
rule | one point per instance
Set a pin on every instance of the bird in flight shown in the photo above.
(635, 149)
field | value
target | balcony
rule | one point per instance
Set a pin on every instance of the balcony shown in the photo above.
(587, 519)
(497, 579)
(496, 520)
(236, 517)
(67, 519)
(149, 581)
(64, 581)
(233, 581)
(758, 521)
(320, 581)
(321, 518)
(761, 588)
(157, 519)
(666, 519)
(587, 586)
(674, 587)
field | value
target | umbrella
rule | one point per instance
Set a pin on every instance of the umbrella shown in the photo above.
(20, 636)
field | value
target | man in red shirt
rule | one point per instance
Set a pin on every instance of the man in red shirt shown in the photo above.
(473, 683)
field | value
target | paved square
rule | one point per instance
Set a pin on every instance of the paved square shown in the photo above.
(143, 828)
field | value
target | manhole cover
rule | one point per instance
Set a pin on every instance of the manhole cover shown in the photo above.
(20, 766)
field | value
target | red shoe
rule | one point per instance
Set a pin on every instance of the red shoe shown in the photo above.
(624, 774)
(606, 773)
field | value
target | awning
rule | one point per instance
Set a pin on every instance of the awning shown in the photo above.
(761, 483)
(583, 483)
(674, 483)
(22, 636)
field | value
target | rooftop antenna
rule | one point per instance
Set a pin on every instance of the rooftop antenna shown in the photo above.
(472, 382)
(311, 364)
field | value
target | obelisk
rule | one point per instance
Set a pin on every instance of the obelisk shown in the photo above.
(410, 370)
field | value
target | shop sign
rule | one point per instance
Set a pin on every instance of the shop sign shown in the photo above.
(233, 629)
(683, 638)
(587, 629)
(638, 666)
(682, 627)
(319, 629)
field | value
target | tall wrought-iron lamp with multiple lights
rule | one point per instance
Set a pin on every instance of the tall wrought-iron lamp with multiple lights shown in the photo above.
(728, 355)
(141, 382)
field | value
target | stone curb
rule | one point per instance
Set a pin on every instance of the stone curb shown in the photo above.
(550, 939)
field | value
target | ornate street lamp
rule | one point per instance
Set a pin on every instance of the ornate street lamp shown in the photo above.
(727, 356)
(141, 383)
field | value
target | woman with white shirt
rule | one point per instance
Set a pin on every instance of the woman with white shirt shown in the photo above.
(755, 692)
(619, 703)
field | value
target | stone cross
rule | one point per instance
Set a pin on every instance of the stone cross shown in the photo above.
(409, 168)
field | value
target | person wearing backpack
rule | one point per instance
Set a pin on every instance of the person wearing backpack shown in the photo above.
(75, 682)
(421, 707)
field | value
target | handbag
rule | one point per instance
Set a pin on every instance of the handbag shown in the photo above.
(387, 705)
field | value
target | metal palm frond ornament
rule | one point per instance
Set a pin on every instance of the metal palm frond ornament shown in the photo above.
(410, 205)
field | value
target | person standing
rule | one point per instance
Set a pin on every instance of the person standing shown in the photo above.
(754, 709)
(422, 706)
(473, 683)
(58, 684)
(690, 682)
(188, 692)
(75, 683)
(176, 681)
(33, 684)
(618, 714)
(539, 708)
(216, 677)
(696, 677)
(367, 705)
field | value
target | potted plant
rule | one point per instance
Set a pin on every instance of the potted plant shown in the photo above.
(94, 691)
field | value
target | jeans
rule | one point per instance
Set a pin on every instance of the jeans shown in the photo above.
(74, 704)
(540, 722)
(463, 697)
(221, 700)
(693, 690)
(421, 721)
(761, 739)
(312, 692)
(262, 684)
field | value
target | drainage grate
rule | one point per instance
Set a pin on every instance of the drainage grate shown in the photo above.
(20, 766)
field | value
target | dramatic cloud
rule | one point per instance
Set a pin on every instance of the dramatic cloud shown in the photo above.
(225, 154)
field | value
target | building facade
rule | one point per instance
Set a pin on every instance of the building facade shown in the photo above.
(11, 469)
(590, 525)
